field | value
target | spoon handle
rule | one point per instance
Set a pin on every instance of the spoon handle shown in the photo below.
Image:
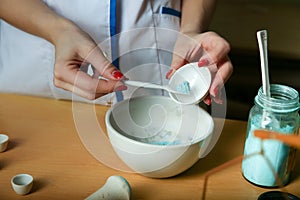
(143, 84)
(263, 51)
(150, 85)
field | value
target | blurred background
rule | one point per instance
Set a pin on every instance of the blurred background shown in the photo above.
(238, 21)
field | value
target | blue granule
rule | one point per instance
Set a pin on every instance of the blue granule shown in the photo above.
(184, 87)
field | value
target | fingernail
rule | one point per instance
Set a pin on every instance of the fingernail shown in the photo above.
(203, 62)
(218, 100)
(215, 91)
(170, 73)
(117, 74)
(121, 88)
(207, 101)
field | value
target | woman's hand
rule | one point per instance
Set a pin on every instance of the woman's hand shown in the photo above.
(208, 49)
(75, 49)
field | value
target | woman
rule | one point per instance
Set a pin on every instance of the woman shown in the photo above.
(83, 40)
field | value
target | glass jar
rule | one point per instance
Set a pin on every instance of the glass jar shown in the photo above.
(265, 160)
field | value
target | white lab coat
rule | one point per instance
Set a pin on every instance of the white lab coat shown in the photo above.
(146, 31)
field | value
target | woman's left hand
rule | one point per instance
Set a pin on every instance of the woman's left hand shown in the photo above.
(208, 49)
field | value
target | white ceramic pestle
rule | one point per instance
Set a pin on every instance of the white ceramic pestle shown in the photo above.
(115, 188)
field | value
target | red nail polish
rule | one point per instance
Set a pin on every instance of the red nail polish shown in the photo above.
(168, 75)
(207, 101)
(203, 62)
(215, 92)
(117, 74)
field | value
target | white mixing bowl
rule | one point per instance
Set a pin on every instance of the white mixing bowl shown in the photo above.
(157, 137)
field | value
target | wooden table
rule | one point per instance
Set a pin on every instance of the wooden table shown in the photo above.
(44, 143)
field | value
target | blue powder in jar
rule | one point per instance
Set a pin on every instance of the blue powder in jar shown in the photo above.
(255, 167)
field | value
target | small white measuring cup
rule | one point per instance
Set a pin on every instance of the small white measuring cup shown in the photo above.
(199, 80)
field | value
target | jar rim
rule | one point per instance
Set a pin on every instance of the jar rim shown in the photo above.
(283, 99)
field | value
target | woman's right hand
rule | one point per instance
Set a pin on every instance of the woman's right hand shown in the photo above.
(74, 48)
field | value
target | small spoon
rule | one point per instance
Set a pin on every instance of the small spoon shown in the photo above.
(262, 39)
(153, 86)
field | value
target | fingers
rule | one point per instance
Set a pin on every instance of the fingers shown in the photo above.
(184, 50)
(218, 62)
(214, 57)
(178, 59)
(207, 100)
(215, 46)
(70, 77)
(74, 51)
(221, 74)
(89, 87)
(177, 62)
(104, 67)
(70, 73)
(225, 70)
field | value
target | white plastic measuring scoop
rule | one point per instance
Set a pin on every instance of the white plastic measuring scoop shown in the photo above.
(198, 79)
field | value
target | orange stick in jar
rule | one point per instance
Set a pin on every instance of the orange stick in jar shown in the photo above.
(292, 140)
